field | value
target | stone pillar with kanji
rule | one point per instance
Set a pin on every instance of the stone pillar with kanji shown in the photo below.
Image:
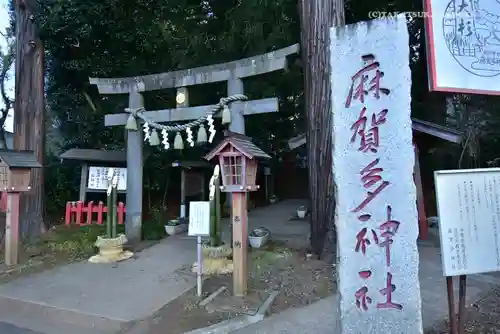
(373, 164)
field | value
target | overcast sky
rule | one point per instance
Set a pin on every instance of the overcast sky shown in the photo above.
(4, 21)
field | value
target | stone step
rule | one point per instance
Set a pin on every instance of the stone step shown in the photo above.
(51, 320)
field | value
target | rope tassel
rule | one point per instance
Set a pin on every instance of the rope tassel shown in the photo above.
(154, 140)
(131, 123)
(226, 115)
(202, 135)
(220, 108)
(178, 142)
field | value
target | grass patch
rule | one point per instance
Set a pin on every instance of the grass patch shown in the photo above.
(67, 244)
(74, 242)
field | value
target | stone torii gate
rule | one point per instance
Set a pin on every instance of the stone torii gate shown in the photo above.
(232, 72)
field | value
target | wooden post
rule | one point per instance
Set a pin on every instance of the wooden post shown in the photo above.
(29, 106)
(133, 222)
(12, 229)
(235, 86)
(83, 182)
(422, 219)
(203, 191)
(240, 244)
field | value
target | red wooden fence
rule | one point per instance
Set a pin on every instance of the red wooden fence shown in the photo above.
(75, 212)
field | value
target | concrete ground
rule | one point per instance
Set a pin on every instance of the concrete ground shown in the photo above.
(99, 298)
(320, 317)
(84, 298)
(6, 328)
(277, 219)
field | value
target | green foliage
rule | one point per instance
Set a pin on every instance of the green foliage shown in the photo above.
(153, 230)
(110, 38)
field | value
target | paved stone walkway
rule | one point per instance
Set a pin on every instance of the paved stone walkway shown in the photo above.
(100, 298)
(84, 298)
(6, 328)
(319, 318)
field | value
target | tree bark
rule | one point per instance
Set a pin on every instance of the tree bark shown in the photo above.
(317, 17)
(29, 111)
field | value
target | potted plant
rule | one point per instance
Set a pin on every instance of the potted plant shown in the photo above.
(111, 245)
(258, 237)
(301, 212)
(175, 226)
(273, 199)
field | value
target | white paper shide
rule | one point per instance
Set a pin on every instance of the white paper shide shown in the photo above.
(376, 215)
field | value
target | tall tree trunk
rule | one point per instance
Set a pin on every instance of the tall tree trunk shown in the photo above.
(317, 17)
(29, 111)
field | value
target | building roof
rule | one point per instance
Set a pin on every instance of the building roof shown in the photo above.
(19, 159)
(241, 143)
(91, 155)
(192, 164)
(436, 130)
(417, 125)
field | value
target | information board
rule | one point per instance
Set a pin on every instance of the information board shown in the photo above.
(468, 202)
(199, 218)
(98, 178)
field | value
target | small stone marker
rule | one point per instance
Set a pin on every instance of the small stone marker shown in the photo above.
(373, 159)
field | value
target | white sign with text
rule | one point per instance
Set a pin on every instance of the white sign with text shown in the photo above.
(98, 178)
(199, 218)
(468, 203)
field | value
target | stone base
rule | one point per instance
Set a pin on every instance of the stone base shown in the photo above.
(215, 266)
(215, 260)
(109, 258)
(111, 250)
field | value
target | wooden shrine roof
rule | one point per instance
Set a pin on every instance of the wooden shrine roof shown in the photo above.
(432, 129)
(192, 164)
(19, 159)
(93, 155)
